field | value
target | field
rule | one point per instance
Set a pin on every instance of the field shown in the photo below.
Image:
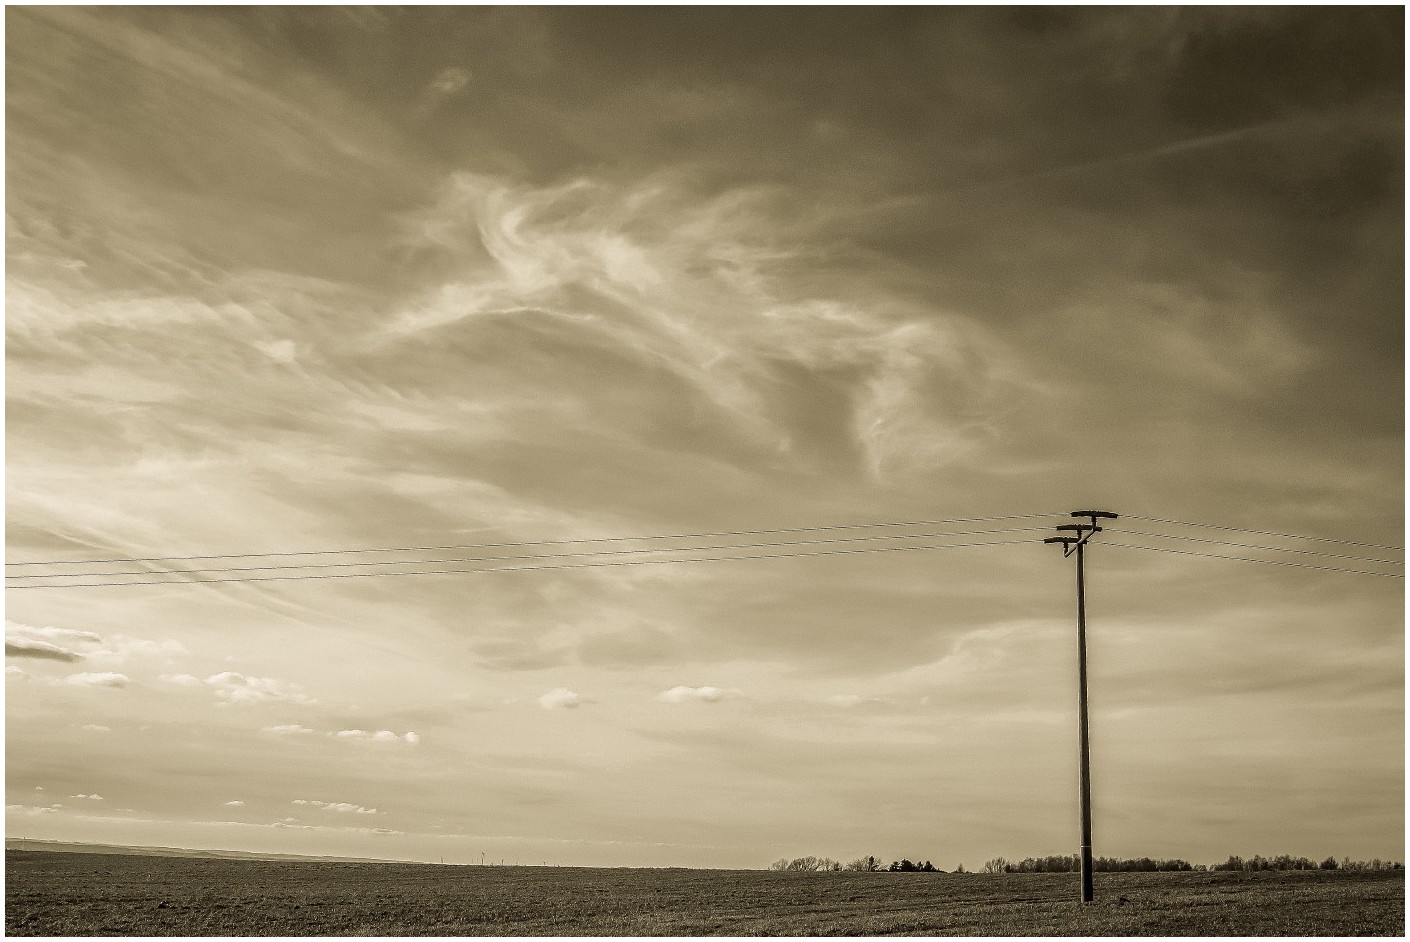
(68, 894)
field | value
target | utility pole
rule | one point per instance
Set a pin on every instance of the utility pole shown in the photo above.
(1074, 539)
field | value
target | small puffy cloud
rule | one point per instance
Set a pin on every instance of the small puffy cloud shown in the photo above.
(88, 797)
(382, 735)
(683, 694)
(99, 679)
(235, 804)
(234, 688)
(560, 698)
(96, 728)
(342, 807)
(287, 729)
(15, 673)
(181, 680)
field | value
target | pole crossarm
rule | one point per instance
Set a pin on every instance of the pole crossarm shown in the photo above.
(1094, 516)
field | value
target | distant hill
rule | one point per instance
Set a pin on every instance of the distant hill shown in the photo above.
(68, 847)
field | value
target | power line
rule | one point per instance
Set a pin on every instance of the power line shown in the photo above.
(430, 572)
(1289, 536)
(600, 539)
(477, 559)
(1275, 549)
(1268, 562)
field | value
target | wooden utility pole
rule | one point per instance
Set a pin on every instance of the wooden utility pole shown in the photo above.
(1080, 534)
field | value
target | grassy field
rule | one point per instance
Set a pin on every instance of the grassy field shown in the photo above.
(68, 894)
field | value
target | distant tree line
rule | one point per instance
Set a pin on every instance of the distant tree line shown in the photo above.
(1071, 863)
(1284, 862)
(864, 864)
(805, 863)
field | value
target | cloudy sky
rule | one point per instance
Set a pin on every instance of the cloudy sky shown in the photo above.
(294, 279)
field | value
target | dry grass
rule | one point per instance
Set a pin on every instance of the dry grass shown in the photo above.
(54, 894)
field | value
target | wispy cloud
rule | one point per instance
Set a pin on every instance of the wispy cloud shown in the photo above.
(665, 282)
(120, 647)
(47, 642)
(71, 644)
(447, 84)
(99, 679)
(850, 700)
(231, 687)
(42, 650)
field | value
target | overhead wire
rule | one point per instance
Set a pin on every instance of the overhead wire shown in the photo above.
(1289, 536)
(585, 565)
(564, 542)
(476, 559)
(298, 570)
(1248, 559)
(1275, 549)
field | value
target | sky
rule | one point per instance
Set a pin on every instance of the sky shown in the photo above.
(287, 279)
